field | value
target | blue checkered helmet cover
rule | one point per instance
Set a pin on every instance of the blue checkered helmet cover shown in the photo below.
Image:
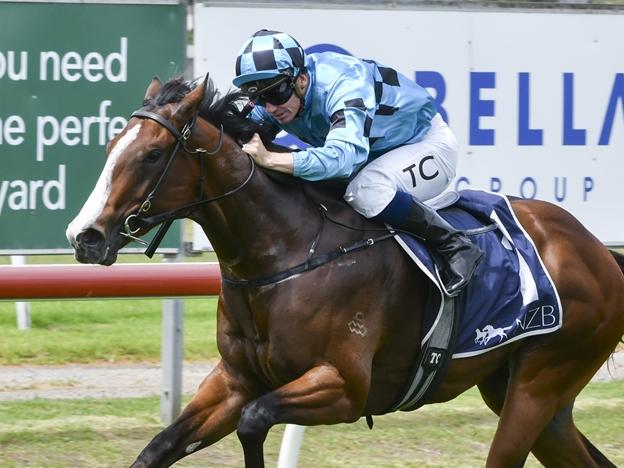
(268, 54)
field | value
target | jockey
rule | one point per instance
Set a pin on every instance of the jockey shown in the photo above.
(363, 121)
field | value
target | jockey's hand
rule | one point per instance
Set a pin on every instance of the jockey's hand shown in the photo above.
(282, 162)
(255, 148)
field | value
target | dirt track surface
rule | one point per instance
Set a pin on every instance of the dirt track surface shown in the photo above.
(137, 380)
(92, 381)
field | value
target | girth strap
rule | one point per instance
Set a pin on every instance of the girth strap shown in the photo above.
(435, 356)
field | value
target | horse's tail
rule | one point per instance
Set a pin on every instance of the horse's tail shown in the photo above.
(619, 258)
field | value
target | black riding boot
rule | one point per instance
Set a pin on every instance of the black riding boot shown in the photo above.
(457, 256)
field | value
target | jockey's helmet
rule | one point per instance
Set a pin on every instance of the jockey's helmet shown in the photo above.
(266, 55)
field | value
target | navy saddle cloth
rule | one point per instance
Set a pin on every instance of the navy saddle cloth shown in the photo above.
(511, 295)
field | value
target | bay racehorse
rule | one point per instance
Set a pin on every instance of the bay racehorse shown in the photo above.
(288, 354)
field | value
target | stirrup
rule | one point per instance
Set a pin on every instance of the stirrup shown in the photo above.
(446, 292)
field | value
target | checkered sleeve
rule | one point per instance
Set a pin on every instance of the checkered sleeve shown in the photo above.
(350, 105)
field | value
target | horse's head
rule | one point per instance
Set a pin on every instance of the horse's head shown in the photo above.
(131, 188)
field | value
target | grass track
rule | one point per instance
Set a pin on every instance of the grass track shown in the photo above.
(107, 433)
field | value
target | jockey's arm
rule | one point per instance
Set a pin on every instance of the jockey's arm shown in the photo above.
(350, 107)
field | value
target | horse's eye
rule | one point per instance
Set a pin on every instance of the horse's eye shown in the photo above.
(153, 156)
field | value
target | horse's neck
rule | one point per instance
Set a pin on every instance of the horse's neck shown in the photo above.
(264, 226)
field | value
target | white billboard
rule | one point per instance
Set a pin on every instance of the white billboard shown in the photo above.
(536, 99)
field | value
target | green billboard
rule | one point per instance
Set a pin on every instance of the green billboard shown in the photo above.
(70, 76)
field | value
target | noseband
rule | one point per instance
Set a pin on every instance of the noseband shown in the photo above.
(139, 219)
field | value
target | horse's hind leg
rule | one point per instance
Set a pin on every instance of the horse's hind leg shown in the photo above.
(493, 390)
(560, 444)
(320, 396)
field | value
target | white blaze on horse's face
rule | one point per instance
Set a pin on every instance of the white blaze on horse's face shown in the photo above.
(97, 200)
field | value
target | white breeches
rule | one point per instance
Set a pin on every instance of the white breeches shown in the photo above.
(423, 169)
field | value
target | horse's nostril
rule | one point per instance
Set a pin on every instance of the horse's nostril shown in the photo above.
(90, 237)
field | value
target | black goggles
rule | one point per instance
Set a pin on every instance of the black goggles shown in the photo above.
(276, 93)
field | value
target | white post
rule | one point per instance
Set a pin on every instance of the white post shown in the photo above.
(172, 356)
(22, 308)
(291, 444)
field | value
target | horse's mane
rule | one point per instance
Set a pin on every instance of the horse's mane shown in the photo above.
(215, 108)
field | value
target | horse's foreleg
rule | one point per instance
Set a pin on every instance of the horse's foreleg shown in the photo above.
(210, 415)
(320, 396)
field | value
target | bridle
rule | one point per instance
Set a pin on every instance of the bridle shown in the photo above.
(139, 219)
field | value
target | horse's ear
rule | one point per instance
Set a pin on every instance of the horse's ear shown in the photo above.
(153, 88)
(189, 104)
